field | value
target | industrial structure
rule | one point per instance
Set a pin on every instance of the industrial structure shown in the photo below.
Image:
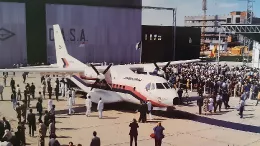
(211, 26)
(213, 23)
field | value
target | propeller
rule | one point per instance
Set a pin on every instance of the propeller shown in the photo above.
(161, 71)
(101, 77)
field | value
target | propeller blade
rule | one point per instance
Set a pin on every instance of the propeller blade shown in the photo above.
(157, 67)
(94, 68)
(104, 81)
(105, 71)
(94, 85)
(164, 68)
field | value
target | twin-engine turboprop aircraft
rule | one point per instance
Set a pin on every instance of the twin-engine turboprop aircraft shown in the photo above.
(112, 83)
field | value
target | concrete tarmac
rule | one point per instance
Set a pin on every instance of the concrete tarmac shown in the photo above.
(184, 127)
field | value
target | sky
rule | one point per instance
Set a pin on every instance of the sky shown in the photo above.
(191, 8)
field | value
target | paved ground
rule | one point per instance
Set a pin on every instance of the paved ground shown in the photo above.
(221, 129)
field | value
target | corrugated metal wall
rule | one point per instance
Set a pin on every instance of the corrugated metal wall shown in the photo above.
(13, 47)
(110, 33)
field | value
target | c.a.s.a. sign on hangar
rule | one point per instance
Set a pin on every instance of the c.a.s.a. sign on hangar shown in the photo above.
(71, 35)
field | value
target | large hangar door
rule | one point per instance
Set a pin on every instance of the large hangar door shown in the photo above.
(109, 34)
(157, 43)
(13, 48)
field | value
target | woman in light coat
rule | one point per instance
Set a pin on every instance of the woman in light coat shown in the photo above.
(211, 104)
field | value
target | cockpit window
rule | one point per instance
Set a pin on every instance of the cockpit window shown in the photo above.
(152, 86)
(159, 86)
(166, 85)
(148, 86)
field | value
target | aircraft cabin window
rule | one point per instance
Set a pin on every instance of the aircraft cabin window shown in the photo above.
(159, 86)
(152, 86)
(148, 86)
(166, 85)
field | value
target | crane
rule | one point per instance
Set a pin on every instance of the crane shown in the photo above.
(204, 9)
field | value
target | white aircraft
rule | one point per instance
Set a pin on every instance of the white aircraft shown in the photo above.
(111, 83)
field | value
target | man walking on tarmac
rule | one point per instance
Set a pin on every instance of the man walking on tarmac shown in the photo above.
(88, 106)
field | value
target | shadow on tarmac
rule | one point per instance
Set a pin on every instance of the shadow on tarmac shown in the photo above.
(177, 114)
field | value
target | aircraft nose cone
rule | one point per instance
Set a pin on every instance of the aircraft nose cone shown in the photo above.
(101, 77)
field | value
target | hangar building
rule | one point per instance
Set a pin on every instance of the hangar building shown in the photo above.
(93, 30)
(108, 30)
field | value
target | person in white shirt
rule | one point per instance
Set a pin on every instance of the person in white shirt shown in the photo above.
(100, 108)
(73, 96)
(65, 85)
(70, 105)
(88, 105)
(67, 94)
(149, 105)
(18, 91)
(62, 88)
(1, 91)
(49, 104)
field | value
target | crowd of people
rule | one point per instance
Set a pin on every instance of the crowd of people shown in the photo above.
(21, 104)
(215, 84)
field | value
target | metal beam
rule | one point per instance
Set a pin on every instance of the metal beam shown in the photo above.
(241, 28)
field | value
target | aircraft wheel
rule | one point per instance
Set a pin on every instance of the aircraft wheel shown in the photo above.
(176, 101)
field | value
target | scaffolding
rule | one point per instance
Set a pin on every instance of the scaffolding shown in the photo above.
(243, 30)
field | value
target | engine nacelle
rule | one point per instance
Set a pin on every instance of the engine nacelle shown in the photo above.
(107, 96)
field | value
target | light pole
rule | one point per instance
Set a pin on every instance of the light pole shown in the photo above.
(219, 42)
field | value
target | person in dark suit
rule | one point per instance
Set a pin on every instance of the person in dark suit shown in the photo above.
(6, 124)
(32, 122)
(143, 110)
(200, 103)
(46, 118)
(180, 92)
(96, 140)
(32, 90)
(39, 108)
(133, 132)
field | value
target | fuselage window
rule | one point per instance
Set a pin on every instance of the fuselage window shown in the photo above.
(159, 86)
(152, 86)
(148, 86)
(166, 85)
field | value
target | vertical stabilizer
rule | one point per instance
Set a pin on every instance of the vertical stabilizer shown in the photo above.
(63, 58)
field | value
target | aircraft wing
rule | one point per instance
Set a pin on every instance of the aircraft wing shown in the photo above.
(160, 64)
(42, 70)
(41, 66)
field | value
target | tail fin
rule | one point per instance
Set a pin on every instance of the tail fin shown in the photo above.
(63, 58)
